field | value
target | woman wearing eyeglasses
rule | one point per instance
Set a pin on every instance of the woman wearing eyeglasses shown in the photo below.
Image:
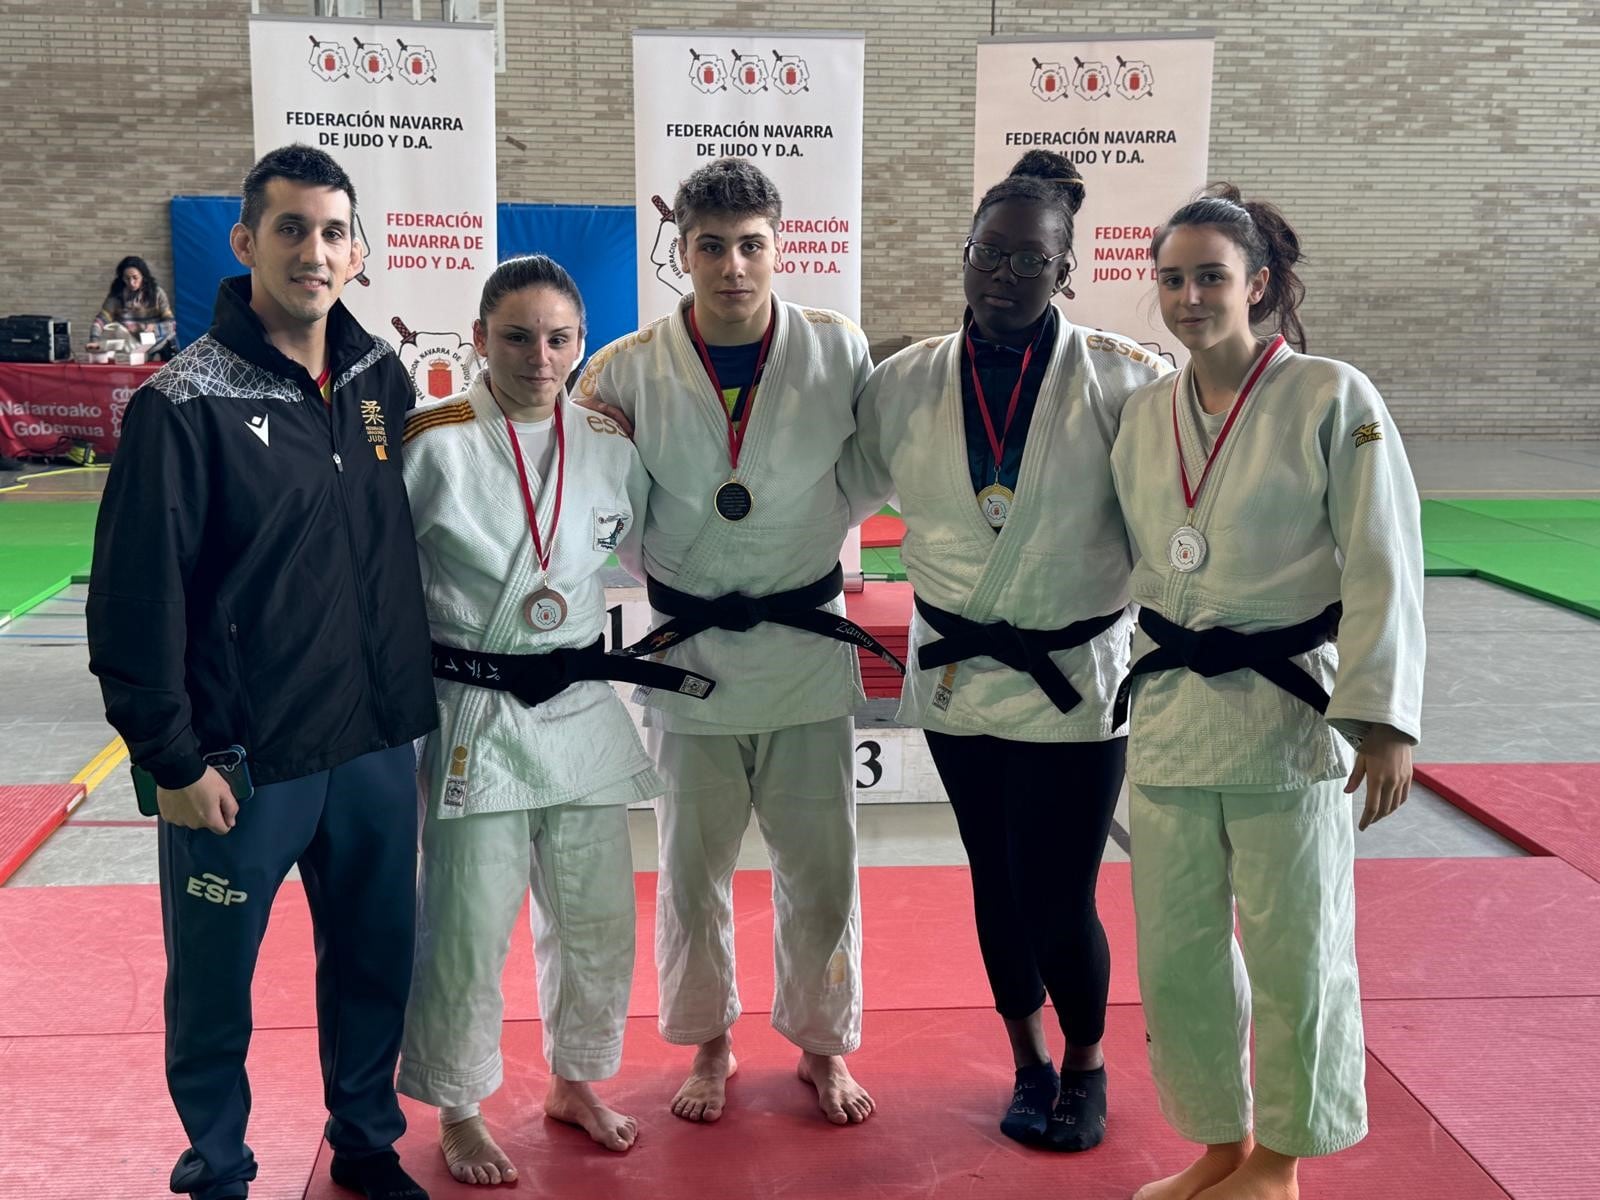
(996, 438)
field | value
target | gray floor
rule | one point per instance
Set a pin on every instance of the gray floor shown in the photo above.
(1509, 679)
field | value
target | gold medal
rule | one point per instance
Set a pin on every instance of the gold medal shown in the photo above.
(995, 503)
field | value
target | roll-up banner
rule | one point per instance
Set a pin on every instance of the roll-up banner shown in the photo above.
(1134, 113)
(789, 102)
(408, 111)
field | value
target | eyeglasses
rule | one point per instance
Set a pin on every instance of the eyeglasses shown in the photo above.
(1025, 264)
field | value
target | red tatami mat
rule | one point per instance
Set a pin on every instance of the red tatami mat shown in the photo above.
(90, 959)
(882, 530)
(1514, 1081)
(883, 610)
(88, 1117)
(941, 1080)
(1462, 927)
(1547, 808)
(29, 813)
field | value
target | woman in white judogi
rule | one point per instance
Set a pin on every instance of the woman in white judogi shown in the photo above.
(997, 440)
(519, 499)
(740, 405)
(1271, 509)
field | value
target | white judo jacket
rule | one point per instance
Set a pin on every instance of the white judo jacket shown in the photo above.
(771, 676)
(1061, 557)
(493, 753)
(1310, 501)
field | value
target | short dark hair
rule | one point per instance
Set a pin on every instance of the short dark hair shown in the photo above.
(298, 163)
(530, 270)
(732, 186)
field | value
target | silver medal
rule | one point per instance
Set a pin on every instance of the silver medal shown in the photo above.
(1186, 550)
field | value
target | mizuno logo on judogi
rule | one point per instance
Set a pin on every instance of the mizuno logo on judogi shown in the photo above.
(1368, 433)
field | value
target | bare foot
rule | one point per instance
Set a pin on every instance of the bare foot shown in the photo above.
(576, 1104)
(1212, 1167)
(704, 1094)
(1265, 1175)
(843, 1100)
(471, 1154)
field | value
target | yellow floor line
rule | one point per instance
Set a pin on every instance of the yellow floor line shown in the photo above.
(23, 482)
(101, 765)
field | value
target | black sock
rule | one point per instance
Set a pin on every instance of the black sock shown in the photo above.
(1031, 1100)
(377, 1176)
(1079, 1119)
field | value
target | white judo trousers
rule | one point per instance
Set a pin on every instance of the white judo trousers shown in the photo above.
(579, 863)
(797, 781)
(1284, 861)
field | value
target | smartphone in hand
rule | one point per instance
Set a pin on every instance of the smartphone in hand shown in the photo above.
(232, 764)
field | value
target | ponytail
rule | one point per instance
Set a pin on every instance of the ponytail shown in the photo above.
(1265, 239)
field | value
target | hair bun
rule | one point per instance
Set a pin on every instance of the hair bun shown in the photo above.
(1052, 167)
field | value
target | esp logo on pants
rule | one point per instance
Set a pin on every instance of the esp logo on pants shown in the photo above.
(215, 890)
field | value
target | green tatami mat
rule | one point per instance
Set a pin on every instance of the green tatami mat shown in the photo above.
(1546, 548)
(43, 545)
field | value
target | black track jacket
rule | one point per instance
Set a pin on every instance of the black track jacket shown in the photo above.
(255, 573)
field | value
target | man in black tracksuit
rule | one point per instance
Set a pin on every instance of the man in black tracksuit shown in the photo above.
(255, 583)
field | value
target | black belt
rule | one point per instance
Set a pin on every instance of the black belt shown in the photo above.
(799, 608)
(534, 678)
(1211, 652)
(1025, 650)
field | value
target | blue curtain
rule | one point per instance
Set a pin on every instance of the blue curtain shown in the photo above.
(596, 243)
(201, 258)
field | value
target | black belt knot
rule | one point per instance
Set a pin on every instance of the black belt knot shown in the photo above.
(1212, 652)
(737, 612)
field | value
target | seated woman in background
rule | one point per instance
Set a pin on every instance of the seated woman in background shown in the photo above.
(137, 303)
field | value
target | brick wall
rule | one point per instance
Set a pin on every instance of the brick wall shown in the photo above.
(1438, 159)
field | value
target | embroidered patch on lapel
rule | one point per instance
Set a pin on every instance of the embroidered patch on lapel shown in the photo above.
(1368, 433)
(608, 527)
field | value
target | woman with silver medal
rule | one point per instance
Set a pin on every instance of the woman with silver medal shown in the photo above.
(995, 438)
(518, 500)
(1272, 512)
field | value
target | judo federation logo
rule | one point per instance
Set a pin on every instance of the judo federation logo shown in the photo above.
(331, 61)
(1049, 81)
(373, 62)
(789, 73)
(377, 435)
(749, 73)
(417, 64)
(708, 73)
(440, 364)
(1089, 80)
(1368, 433)
(1132, 80)
(664, 254)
